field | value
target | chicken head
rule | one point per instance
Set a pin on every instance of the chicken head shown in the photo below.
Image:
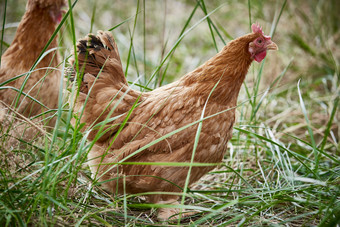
(54, 7)
(258, 48)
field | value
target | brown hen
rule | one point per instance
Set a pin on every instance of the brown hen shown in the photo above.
(124, 123)
(33, 33)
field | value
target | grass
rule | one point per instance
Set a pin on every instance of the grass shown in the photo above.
(282, 167)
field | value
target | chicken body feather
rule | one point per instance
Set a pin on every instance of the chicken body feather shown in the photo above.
(140, 118)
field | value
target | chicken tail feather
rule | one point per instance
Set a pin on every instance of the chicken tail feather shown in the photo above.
(99, 54)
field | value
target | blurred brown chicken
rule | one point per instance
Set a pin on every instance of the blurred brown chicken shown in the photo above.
(33, 33)
(124, 123)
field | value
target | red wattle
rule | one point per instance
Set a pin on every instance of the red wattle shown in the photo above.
(260, 56)
(58, 18)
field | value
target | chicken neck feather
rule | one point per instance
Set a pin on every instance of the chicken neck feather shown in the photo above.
(227, 70)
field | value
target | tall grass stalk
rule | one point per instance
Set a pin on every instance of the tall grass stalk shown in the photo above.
(310, 131)
(3, 28)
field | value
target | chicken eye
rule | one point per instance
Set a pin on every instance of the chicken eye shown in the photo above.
(259, 42)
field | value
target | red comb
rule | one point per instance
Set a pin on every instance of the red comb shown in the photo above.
(258, 29)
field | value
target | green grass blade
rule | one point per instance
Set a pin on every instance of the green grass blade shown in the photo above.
(310, 131)
(202, 5)
(329, 124)
(3, 29)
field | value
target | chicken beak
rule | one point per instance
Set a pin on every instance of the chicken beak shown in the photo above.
(272, 46)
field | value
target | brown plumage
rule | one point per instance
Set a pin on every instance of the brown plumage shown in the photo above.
(211, 89)
(34, 31)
